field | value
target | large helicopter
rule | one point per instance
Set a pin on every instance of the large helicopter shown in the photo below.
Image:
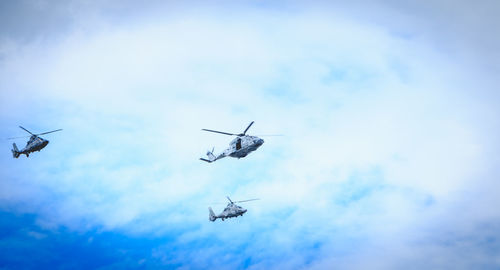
(240, 147)
(231, 210)
(35, 143)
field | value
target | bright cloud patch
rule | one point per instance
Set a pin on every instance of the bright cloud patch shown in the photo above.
(388, 158)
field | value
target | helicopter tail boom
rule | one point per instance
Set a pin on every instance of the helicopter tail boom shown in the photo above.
(15, 151)
(211, 215)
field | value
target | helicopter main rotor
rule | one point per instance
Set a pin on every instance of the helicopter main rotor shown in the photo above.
(230, 134)
(32, 133)
(240, 201)
(27, 130)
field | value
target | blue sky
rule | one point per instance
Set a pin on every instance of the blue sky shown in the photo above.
(389, 110)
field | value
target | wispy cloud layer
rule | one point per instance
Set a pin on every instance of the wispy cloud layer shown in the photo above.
(389, 153)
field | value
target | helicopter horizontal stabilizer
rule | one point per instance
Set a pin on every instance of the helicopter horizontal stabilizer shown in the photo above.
(211, 157)
(15, 151)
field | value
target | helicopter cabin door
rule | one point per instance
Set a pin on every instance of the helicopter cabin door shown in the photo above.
(238, 144)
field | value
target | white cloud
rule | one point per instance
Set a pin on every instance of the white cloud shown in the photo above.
(382, 133)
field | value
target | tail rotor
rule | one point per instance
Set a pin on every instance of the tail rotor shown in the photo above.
(15, 151)
(211, 215)
(210, 155)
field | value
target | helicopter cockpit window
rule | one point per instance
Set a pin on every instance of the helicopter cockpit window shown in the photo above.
(238, 144)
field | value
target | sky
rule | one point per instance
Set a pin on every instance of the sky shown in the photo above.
(389, 112)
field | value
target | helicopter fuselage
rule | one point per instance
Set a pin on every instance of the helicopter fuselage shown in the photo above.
(231, 210)
(35, 143)
(242, 146)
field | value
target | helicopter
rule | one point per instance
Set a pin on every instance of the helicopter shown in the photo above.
(231, 210)
(240, 147)
(35, 143)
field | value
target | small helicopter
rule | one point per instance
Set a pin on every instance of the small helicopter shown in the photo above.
(240, 147)
(231, 210)
(35, 143)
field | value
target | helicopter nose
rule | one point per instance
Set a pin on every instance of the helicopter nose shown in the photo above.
(260, 141)
(244, 211)
(45, 143)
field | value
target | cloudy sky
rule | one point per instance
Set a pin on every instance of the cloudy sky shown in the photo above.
(389, 111)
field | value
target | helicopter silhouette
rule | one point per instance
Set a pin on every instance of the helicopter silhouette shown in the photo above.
(35, 143)
(231, 210)
(240, 147)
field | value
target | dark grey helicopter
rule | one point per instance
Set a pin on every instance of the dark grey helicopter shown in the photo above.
(231, 210)
(35, 143)
(240, 147)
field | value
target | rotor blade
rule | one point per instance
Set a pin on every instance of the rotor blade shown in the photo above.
(49, 131)
(225, 133)
(229, 199)
(27, 130)
(247, 200)
(18, 137)
(244, 132)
